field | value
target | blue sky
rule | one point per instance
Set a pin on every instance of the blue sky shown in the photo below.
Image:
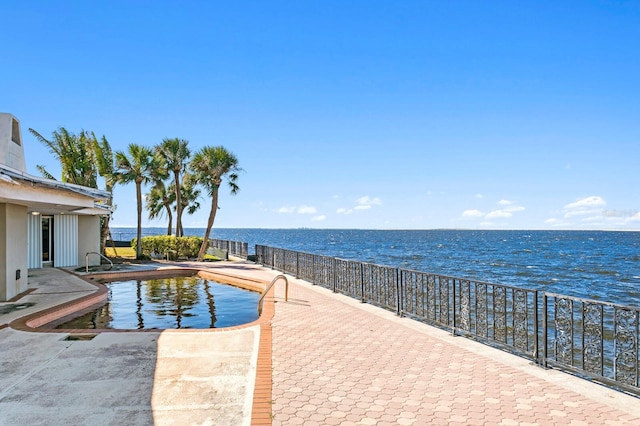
(352, 114)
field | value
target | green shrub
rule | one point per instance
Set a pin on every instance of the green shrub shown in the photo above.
(164, 246)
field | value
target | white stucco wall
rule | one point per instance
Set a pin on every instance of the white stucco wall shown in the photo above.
(13, 250)
(88, 239)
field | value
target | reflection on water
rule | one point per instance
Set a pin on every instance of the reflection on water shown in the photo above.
(178, 302)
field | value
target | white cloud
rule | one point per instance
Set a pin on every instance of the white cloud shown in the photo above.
(557, 223)
(620, 213)
(586, 202)
(592, 205)
(472, 213)
(498, 214)
(300, 210)
(634, 218)
(366, 200)
(307, 210)
(507, 211)
(286, 210)
(362, 207)
(589, 212)
(318, 218)
(479, 196)
(362, 203)
(621, 218)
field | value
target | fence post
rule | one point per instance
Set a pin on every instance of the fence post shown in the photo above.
(297, 264)
(314, 269)
(536, 355)
(544, 330)
(398, 294)
(333, 263)
(361, 282)
(453, 307)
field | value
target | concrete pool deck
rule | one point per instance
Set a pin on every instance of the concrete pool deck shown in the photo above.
(167, 377)
(329, 360)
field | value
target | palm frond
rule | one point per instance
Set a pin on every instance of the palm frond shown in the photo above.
(44, 172)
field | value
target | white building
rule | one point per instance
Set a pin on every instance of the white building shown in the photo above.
(43, 222)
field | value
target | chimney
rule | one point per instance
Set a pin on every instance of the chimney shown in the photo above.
(11, 149)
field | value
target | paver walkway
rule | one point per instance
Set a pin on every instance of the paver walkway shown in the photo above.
(336, 361)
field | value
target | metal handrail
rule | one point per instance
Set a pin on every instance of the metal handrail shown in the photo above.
(86, 260)
(266, 290)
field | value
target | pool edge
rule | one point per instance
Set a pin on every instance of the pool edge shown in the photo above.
(36, 322)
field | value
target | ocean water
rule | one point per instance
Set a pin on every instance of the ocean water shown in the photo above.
(600, 265)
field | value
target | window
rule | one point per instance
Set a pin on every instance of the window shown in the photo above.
(15, 131)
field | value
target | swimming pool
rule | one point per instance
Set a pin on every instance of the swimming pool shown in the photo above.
(170, 303)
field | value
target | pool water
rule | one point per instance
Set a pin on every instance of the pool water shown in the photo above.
(170, 303)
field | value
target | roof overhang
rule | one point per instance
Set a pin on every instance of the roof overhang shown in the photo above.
(48, 197)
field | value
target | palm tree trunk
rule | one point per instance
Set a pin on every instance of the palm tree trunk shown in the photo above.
(212, 217)
(176, 179)
(104, 233)
(113, 245)
(139, 200)
(170, 216)
(105, 224)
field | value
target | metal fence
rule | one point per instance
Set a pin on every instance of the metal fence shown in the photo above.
(235, 248)
(597, 339)
(591, 339)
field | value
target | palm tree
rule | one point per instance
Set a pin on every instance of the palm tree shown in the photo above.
(175, 154)
(209, 166)
(158, 202)
(161, 197)
(82, 158)
(189, 194)
(136, 167)
(75, 155)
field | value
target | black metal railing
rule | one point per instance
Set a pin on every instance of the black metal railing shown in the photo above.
(597, 339)
(592, 339)
(235, 248)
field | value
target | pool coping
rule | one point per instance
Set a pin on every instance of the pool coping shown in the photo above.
(36, 322)
(262, 392)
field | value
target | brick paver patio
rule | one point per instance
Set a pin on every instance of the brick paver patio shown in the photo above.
(336, 361)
